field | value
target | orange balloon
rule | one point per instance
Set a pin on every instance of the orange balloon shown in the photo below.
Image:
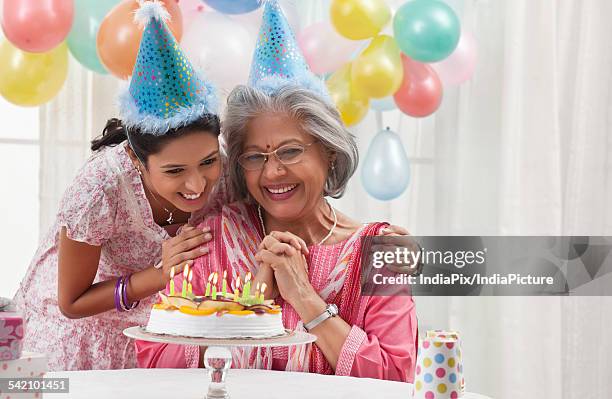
(119, 36)
(420, 94)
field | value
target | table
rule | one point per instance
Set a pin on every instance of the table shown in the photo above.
(251, 384)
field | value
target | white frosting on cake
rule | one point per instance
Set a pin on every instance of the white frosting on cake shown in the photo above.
(175, 322)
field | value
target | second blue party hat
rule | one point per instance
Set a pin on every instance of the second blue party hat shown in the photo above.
(277, 60)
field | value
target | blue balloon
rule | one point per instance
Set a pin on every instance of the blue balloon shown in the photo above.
(383, 104)
(386, 170)
(234, 6)
(426, 30)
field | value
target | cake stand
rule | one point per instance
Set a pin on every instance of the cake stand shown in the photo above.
(218, 358)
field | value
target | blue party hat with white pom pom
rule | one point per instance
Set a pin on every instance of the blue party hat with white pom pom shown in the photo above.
(165, 91)
(278, 61)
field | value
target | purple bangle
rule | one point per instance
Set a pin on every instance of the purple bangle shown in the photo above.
(117, 298)
(125, 297)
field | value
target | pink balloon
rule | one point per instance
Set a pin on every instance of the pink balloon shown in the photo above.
(37, 26)
(420, 94)
(459, 67)
(324, 49)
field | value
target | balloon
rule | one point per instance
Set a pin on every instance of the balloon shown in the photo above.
(252, 20)
(456, 5)
(359, 19)
(383, 104)
(37, 26)
(352, 106)
(225, 55)
(426, 30)
(461, 64)
(234, 6)
(30, 79)
(88, 14)
(421, 92)
(190, 9)
(324, 49)
(386, 169)
(119, 36)
(377, 71)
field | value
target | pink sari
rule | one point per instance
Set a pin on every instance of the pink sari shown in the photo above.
(334, 271)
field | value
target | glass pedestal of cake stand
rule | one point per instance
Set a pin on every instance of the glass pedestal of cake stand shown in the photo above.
(218, 357)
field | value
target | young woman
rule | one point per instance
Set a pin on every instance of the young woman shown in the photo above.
(116, 219)
(115, 237)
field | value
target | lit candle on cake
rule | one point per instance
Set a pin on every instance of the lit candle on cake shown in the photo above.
(257, 290)
(246, 291)
(172, 281)
(189, 286)
(237, 290)
(214, 287)
(207, 293)
(224, 289)
(263, 289)
(185, 275)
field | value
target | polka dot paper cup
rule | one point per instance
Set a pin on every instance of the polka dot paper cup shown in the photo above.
(454, 335)
(437, 374)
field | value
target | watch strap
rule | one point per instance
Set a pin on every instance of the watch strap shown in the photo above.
(330, 311)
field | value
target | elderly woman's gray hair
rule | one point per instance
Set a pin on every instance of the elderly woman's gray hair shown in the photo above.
(313, 115)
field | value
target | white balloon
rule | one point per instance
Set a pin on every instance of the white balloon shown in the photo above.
(190, 10)
(220, 47)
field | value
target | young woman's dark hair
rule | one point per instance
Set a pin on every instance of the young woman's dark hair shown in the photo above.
(144, 145)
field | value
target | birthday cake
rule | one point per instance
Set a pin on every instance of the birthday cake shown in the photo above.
(216, 315)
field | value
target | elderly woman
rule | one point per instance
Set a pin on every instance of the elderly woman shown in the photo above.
(287, 152)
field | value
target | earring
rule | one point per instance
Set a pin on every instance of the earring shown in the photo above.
(139, 172)
(333, 166)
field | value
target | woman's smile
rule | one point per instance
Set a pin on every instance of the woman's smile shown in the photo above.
(192, 198)
(280, 192)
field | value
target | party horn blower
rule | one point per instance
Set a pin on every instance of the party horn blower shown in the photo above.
(437, 373)
(454, 335)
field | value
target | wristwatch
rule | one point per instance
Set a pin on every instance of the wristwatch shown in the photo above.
(330, 311)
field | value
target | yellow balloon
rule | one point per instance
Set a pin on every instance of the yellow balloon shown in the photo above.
(359, 19)
(352, 106)
(29, 79)
(377, 72)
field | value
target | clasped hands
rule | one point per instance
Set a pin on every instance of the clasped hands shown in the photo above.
(284, 268)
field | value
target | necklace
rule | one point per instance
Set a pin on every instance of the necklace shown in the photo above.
(170, 219)
(329, 234)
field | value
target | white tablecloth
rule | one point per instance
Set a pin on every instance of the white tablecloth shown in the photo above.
(251, 384)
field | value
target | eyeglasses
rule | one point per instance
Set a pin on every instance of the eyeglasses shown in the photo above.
(287, 155)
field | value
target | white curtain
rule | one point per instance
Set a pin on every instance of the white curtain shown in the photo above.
(522, 149)
(68, 124)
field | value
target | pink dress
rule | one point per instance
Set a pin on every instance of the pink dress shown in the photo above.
(382, 342)
(105, 205)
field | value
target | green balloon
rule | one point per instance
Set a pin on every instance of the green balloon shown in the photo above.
(426, 30)
(88, 15)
